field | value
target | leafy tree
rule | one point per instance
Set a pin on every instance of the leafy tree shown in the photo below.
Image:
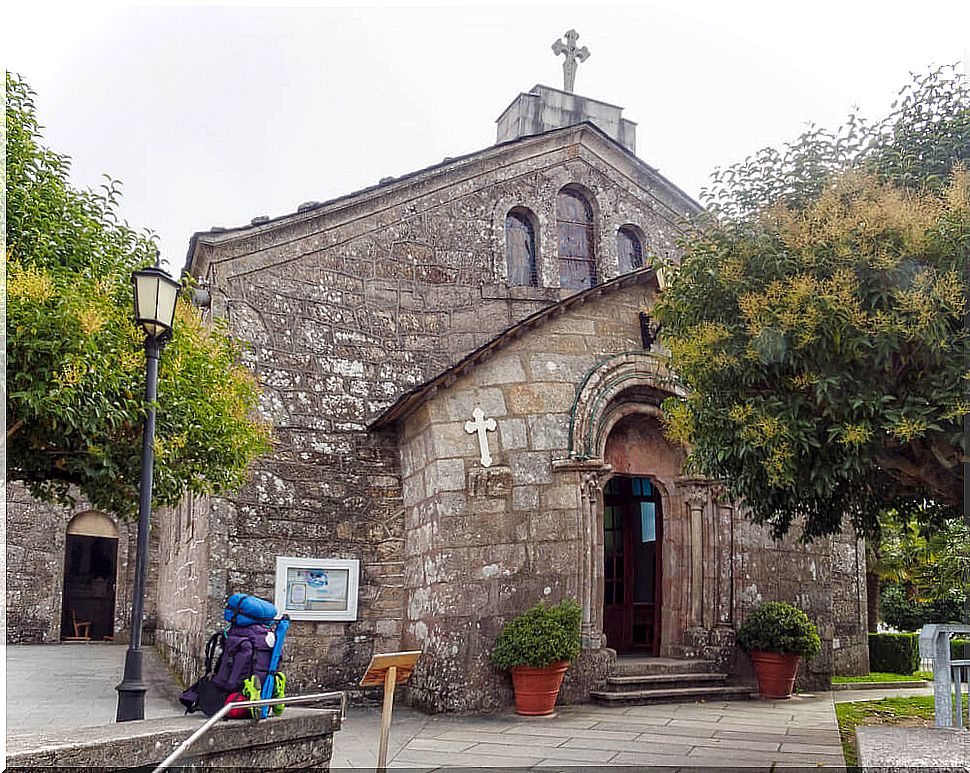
(918, 571)
(76, 367)
(818, 320)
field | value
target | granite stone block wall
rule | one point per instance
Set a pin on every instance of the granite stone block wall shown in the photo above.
(35, 550)
(347, 307)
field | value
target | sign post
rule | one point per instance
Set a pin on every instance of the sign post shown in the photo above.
(390, 669)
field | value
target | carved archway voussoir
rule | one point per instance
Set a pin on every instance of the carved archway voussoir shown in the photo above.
(596, 398)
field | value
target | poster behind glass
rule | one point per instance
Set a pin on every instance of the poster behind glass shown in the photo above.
(311, 589)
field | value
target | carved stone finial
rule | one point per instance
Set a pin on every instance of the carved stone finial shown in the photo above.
(572, 54)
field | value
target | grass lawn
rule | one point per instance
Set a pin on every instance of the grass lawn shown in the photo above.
(882, 676)
(912, 712)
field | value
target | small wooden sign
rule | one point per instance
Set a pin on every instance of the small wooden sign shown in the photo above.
(390, 670)
(403, 663)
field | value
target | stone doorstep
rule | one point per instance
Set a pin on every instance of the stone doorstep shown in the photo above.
(624, 666)
(664, 679)
(837, 686)
(672, 695)
(147, 742)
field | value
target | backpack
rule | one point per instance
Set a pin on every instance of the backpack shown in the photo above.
(244, 666)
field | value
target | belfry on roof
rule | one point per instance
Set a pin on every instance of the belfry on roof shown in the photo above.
(544, 108)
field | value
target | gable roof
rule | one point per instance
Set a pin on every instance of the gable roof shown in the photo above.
(219, 235)
(411, 400)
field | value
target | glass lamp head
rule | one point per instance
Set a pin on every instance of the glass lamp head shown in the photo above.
(155, 296)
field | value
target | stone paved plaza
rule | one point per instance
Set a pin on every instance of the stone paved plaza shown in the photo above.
(68, 686)
(801, 732)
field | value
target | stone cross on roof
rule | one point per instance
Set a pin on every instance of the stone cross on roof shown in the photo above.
(572, 54)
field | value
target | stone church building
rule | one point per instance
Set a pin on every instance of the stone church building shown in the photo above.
(460, 371)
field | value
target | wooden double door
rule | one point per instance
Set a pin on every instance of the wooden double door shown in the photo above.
(632, 539)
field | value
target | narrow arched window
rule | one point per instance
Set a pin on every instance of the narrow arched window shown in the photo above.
(629, 250)
(577, 264)
(520, 248)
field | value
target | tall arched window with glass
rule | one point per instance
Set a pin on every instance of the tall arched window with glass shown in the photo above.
(577, 263)
(520, 248)
(629, 250)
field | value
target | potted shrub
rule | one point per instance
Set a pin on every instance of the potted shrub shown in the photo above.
(778, 636)
(536, 647)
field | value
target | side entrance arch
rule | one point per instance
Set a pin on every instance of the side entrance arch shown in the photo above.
(90, 571)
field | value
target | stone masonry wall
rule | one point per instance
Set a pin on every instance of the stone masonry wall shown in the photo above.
(36, 535)
(484, 544)
(348, 307)
(817, 577)
(850, 639)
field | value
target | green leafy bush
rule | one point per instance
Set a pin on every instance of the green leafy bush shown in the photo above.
(956, 648)
(903, 613)
(541, 636)
(779, 627)
(896, 652)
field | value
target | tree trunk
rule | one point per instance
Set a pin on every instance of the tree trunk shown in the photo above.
(873, 585)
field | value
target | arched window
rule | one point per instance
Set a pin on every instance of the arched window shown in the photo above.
(520, 248)
(577, 264)
(629, 250)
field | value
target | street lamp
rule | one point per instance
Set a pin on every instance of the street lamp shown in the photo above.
(155, 296)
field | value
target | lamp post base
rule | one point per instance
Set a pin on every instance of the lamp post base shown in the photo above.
(131, 691)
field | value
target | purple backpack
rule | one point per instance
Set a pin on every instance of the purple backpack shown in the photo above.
(246, 650)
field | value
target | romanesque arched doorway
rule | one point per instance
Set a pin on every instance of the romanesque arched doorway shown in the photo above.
(632, 564)
(90, 569)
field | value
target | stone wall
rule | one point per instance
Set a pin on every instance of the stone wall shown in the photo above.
(36, 533)
(192, 572)
(301, 739)
(484, 544)
(850, 638)
(349, 306)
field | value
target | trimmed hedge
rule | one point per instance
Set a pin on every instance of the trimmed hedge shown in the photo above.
(897, 653)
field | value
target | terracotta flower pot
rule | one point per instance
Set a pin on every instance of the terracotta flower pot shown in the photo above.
(536, 689)
(776, 673)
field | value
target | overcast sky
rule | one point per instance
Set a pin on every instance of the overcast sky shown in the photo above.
(211, 116)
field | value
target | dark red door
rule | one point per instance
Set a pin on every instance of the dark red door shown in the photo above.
(632, 530)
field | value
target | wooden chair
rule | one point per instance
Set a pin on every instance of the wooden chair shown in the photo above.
(82, 629)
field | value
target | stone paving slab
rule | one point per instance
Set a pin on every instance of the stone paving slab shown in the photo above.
(42, 678)
(909, 747)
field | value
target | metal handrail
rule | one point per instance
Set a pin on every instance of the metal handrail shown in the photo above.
(292, 700)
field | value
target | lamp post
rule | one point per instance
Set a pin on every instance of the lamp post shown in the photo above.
(155, 296)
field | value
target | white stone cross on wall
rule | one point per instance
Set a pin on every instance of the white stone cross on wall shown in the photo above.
(572, 54)
(480, 425)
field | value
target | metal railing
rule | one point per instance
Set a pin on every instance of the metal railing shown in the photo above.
(951, 677)
(960, 675)
(289, 701)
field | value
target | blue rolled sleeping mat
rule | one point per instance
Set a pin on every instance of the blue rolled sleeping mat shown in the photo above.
(243, 609)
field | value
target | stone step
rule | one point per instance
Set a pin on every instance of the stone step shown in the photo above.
(673, 695)
(659, 666)
(662, 681)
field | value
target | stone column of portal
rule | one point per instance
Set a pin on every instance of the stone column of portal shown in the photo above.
(696, 498)
(725, 568)
(589, 476)
(711, 559)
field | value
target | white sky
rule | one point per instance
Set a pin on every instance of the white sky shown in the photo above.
(214, 115)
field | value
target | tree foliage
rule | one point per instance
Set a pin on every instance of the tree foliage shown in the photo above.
(76, 365)
(818, 321)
